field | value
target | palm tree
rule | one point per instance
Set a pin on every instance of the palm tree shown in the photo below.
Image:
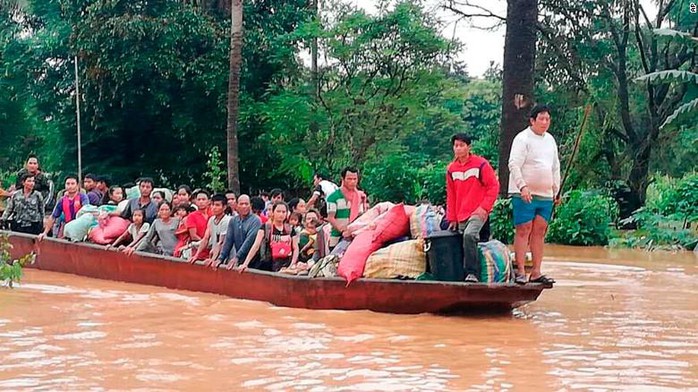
(234, 95)
(674, 75)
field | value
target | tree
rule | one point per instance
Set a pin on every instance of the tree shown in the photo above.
(680, 76)
(597, 49)
(386, 76)
(517, 80)
(234, 95)
(518, 69)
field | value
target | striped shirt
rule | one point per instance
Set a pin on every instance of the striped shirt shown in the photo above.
(342, 209)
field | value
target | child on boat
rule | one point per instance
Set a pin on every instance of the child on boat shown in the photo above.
(137, 230)
(184, 242)
(295, 221)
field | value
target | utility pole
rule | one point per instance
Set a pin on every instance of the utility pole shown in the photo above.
(77, 112)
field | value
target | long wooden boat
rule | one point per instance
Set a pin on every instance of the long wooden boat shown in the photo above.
(380, 295)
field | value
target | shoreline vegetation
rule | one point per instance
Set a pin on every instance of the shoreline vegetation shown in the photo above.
(11, 270)
(668, 221)
(386, 94)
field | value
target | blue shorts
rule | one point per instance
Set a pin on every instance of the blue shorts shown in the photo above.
(526, 212)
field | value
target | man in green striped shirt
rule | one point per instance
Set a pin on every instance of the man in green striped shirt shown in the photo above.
(345, 205)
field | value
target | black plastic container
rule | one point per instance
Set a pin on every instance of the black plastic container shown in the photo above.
(444, 251)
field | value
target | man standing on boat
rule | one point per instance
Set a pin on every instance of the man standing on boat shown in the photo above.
(471, 190)
(31, 167)
(534, 182)
(240, 234)
(345, 205)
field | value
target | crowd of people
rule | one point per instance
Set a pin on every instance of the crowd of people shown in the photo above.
(266, 232)
(221, 229)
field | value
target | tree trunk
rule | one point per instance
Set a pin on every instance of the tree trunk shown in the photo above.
(517, 82)
(314, 53)
(234, 95)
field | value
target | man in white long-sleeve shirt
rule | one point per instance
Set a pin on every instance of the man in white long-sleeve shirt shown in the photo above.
(534, 181)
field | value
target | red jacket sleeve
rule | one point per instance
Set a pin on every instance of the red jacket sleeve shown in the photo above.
(491, 183)
(451, 212)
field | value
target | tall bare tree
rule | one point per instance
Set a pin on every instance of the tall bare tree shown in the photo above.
(517, 78)
(518, 67)
(234, 95)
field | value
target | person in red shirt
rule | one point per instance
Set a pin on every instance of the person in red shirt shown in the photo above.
(197, 221)
(471, 190)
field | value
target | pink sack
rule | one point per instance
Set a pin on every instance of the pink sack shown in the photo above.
(369, 217)
(111, 230)
(393, 225)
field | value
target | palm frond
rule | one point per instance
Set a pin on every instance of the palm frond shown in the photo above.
(669, 76)
(689, 107)
(681, 36)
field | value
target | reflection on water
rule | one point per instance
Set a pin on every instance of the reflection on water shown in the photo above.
(615, 321)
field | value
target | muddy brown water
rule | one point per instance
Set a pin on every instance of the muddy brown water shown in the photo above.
(616, 320)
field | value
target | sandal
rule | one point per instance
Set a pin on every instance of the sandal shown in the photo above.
(519, 279)
(543, 279)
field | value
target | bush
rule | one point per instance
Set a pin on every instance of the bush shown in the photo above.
(502, 221)
(11, 270)
(656, 232)
(401, 178)
(666, 219)
(584, 218)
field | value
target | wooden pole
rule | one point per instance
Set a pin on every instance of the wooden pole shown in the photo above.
(587, 110)
(77, 112)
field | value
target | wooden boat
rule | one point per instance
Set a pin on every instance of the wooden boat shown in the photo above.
(380, 295)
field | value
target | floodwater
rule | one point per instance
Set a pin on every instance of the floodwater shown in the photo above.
(616, 320)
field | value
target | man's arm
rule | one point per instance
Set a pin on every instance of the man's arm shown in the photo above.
(202, 245)
(51, 219)
(451, 213)
(255, 226)
(229, 242)
(216, 249)
(556, 173)
(257, 243)
(193, 235)
(317, 193)
(332, 214)
(491, 183)
(296, 251)
(41, 206)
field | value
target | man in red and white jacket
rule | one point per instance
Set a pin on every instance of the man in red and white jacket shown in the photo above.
(471, 190)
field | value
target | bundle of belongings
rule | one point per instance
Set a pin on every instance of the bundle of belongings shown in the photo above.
(95, 224)
(390, 241)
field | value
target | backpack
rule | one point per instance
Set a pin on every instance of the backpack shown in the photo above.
(273, 249)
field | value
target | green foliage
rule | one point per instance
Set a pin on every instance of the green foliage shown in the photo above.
(11, 270)
(584, 218)
(384, 81)
(215, 173)
(153, 78)
(669, 218)
(675, 199)
(502, 221)
(397, 178)
(7, 179)
(656, 232)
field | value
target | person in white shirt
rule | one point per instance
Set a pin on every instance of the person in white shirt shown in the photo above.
(534, 182)
(210, 246)
(322, 188)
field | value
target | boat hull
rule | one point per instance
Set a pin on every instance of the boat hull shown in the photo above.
(380, 295)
